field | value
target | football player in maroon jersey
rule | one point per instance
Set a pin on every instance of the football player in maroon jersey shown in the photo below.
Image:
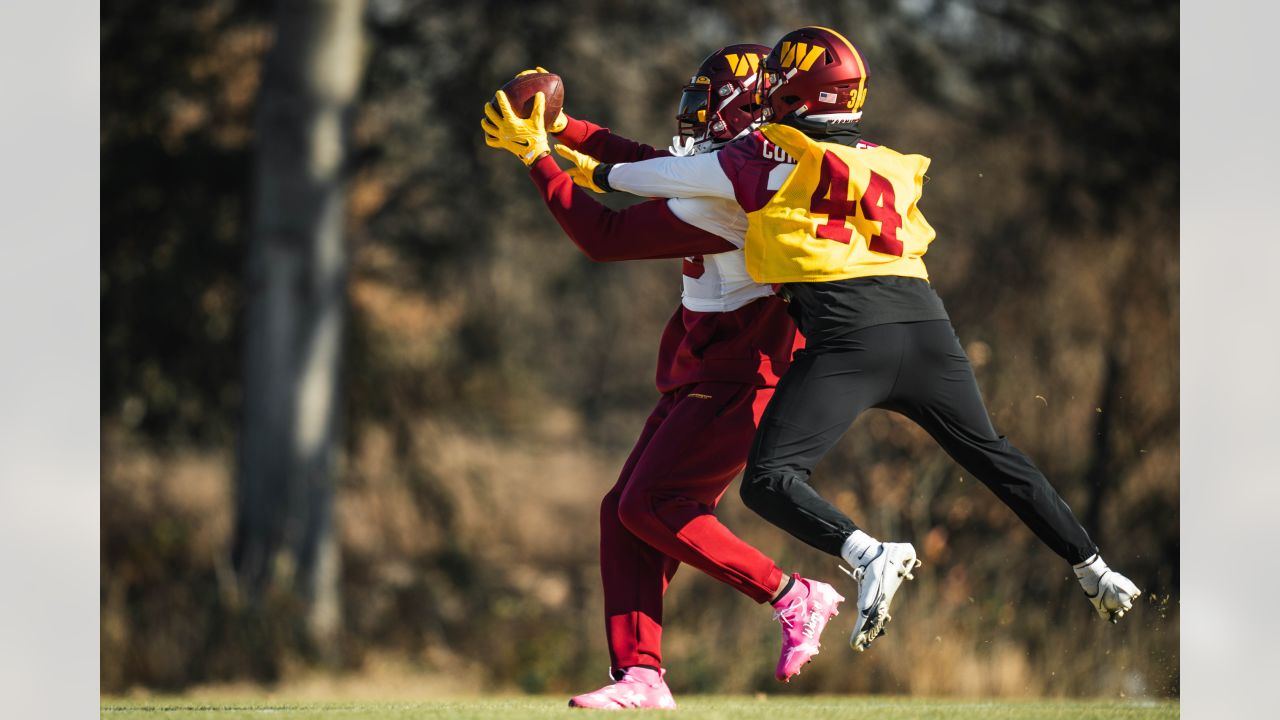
(722, 352)
(877, 335)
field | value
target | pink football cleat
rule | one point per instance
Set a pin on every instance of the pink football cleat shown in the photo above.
(640, 687)
(803, 613)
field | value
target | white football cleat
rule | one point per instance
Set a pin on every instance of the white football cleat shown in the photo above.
(1111, 593)
(878, 580)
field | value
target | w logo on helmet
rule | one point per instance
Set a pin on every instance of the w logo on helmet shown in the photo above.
(799, 55)
(744, 64)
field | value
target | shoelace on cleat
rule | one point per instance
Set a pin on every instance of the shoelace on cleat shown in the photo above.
(781, 614)
(857, 573)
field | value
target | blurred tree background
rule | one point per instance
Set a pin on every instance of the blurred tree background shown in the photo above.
(493, 379)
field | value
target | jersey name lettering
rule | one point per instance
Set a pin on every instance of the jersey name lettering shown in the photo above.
(769, 151)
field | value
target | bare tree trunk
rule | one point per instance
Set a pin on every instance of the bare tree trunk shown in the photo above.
(1102, 476)
(1106, 468)
(297, 273)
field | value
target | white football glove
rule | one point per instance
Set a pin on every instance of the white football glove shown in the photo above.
(1111, 593)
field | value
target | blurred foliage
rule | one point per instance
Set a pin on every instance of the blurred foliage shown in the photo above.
(495, 378)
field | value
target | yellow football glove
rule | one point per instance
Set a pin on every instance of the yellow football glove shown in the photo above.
(526, 138)
(562, 120)
(583, 170)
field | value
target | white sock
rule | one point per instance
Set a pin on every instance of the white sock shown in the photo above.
(859, 547)
(1090, 572)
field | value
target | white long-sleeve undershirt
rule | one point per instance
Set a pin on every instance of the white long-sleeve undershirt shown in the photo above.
(670, 177)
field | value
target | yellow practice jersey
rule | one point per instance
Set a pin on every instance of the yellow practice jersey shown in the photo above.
(843, 212)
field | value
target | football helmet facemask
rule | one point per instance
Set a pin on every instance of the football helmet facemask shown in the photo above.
(718, 104)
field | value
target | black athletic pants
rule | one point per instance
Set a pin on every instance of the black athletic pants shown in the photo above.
(917, 369)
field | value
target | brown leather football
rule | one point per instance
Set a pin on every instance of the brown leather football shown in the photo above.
(520, 92)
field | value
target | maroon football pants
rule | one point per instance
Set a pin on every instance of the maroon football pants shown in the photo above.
(660, 513)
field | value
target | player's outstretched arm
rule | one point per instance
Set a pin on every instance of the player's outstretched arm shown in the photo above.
(603, 144)
(646, 231)
(671, 177)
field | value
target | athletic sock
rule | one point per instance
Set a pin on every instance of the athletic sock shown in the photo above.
(859, 547)
(647, 674)
(791, 582)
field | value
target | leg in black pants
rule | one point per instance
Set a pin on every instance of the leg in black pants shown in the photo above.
(937, 390)
(919, 370)
(815, 403)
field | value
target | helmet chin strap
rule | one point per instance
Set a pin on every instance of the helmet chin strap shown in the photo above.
(686, 146)
(765, 111)
(746, 87)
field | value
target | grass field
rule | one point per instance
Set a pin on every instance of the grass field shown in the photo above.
(706, 707)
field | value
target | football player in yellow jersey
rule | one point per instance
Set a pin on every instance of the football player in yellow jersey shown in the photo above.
(834, 221)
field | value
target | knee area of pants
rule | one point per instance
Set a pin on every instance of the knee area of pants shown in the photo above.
(609, 505)
(757, 488)
(635, 511)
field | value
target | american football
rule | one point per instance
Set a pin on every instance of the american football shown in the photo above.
(520, 92)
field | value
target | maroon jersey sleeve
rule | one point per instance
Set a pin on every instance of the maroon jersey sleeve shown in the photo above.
(603, 145)
(641, 232)
(747, 163)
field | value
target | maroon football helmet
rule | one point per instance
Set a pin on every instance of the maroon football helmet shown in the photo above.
(718, 104)
(815, 76)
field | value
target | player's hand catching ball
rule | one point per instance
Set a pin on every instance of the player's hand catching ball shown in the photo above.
(562, 121)
(583, 170)
(526, 138)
